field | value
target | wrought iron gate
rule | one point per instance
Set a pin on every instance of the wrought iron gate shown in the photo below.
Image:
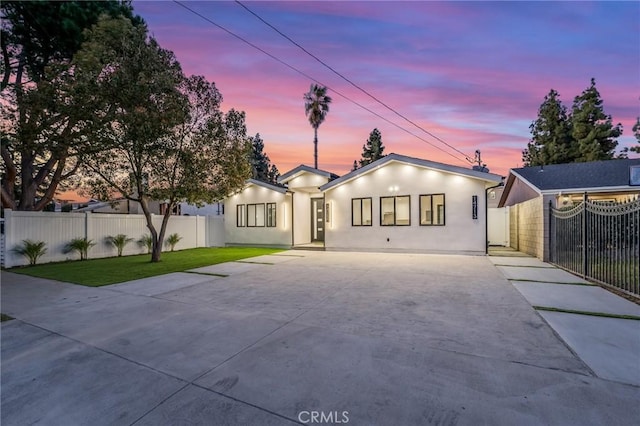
(598, 240)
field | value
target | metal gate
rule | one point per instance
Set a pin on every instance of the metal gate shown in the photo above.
(598, 240)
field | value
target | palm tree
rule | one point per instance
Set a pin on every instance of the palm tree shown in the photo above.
(316, 107)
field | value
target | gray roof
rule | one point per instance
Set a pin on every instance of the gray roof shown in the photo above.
(490, 177)
(303, 168)
(593, 174)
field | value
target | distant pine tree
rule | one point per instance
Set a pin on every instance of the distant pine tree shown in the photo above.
(592, 130)
(551, 140)
(261, 166)
(372, 150)
(586, 134)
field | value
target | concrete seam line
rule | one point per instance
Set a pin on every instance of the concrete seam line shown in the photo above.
(206, 273)
(160, 403)
(105, 351)
(246, 403)
(268, 334)
(589, 313)
(254, 263)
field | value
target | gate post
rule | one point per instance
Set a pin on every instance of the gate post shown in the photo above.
(584, 235)
(552, 238)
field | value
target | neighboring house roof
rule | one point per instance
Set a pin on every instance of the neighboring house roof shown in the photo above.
(305, 169)
(578, 177)
(270, 186)
(489, 177)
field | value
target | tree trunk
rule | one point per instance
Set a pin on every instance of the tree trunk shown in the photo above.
(163, 227)
(315, 147)
(156, 249)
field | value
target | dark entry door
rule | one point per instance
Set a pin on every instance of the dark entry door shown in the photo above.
(317, 219)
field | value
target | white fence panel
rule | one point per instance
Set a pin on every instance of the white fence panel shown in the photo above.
(101, 226)
(57, 229)
(215, 236)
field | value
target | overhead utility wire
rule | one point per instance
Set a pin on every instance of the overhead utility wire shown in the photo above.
(291, 67)
(352, 83)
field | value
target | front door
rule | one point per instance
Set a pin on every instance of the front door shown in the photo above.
(317, 219)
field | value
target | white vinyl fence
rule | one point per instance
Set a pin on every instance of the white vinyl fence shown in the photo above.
(57, 229)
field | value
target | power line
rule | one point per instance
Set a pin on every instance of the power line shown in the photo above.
(351, 82)
(291, 67)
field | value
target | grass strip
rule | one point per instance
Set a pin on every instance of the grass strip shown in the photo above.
(525, 266)
(593, 314)
(112, 270)
(5, 317)
(551, 282)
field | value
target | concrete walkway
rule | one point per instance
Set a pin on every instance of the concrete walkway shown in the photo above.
(583, 315)
(388, 339)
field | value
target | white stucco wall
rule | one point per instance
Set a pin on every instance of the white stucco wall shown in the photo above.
(460, 234)
(276, 236)
(307, 180)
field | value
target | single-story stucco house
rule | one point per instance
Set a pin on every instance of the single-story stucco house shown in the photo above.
(529, 190)
(396, 203)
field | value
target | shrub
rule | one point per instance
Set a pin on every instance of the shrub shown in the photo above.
(32, 250)
(80, 245)
(172, 240)
(119, 241)
(146, 241)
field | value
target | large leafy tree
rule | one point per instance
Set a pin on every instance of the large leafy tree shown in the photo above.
(167, 139)
(372, 150)
(261, 166)
(316, 108)
(48, 122)
(551, 140)
(592, 130)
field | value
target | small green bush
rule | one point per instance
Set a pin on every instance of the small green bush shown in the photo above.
(32, 250)
(172, 240)
(79, 245)
(146, 241)
(119, 242)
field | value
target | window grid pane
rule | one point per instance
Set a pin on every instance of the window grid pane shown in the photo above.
(403, 210)
(356, 212)
(366, 211)
(387, 211)
(432, 210)
(271, 215)
(240, 215)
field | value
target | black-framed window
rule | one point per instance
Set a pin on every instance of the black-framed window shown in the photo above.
(241, 215)
(255, 215)
(395, 211)
(361, 212)
(432, 210)
(271, 215)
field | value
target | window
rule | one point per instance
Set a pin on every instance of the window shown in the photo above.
(271, 215)
(255, 215)
(361, 212)
(241, 215)
(432, 209)
(395, 211)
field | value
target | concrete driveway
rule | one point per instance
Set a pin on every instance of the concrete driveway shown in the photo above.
(298, 337)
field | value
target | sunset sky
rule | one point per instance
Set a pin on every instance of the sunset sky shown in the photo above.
(471, 73)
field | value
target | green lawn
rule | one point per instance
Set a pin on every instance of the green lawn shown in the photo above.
(99, 272)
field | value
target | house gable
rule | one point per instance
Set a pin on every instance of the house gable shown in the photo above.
(417, 162)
